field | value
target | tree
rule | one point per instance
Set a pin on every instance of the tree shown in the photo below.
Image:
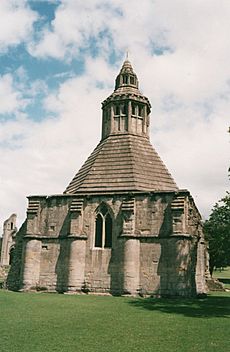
(217, 233)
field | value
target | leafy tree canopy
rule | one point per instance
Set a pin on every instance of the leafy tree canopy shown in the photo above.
(217, 233)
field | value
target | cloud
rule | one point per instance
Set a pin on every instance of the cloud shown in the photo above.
(10, 97)
(16, 25)
(196, 151)
(75, 23)
(17, 92)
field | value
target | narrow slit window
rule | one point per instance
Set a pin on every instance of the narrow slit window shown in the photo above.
(132, 81)
(140, 110)
(99, 229)
(117, 110)
(126, 79)
(133, 109)
(108, 231)
(123, 109)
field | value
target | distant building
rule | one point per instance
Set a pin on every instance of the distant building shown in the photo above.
(122, 225)
(8, 240)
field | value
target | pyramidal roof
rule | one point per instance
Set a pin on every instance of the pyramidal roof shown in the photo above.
(124, 160)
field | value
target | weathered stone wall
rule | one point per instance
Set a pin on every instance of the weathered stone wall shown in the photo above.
(45, 249)
(202, 271)
(103, 270)
(168, 266)
(54, 264)
(150, 253)
(153, 216)
(154, 245)
(175, 268)
(48, 216)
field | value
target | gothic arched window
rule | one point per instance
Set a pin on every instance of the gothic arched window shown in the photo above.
(103, 228)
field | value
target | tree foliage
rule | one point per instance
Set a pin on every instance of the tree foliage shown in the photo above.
(217, 233)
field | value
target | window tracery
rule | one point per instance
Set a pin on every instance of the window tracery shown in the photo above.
(103, 228)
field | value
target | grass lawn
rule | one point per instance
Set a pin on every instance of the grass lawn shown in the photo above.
(52, 322)
(223, 276)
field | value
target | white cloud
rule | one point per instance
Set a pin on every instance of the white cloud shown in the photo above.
(196, 152)
(16, 23)
(17, 92)
(75, 22)
(10, 97)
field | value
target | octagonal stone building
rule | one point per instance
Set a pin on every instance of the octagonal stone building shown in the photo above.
(122, 226)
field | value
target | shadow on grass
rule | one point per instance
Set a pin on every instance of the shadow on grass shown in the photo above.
(212, 306)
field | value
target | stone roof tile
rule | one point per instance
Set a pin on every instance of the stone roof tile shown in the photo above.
(122, 162)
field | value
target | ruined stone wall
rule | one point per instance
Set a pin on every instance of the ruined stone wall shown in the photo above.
(8, 240)
(16, 268)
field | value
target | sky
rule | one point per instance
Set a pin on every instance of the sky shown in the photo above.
(58, 62)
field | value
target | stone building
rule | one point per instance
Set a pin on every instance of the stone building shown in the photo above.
(122, 225)
(8, 240)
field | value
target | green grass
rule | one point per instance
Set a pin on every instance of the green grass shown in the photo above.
(52, 323)
(223, 276)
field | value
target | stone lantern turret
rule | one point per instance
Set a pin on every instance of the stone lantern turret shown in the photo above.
(126, 110)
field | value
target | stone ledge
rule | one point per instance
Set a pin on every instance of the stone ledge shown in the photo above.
(70, 236)
(141, 236)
